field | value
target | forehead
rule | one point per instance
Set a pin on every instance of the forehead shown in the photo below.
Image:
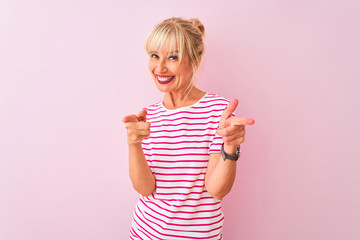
(166, 41)
(168, 44)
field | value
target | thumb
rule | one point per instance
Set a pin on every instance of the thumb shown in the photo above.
(130, 118)
(227, 112)
(142, 115)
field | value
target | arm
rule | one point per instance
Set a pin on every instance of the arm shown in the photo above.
(140, 174)
(220, 174)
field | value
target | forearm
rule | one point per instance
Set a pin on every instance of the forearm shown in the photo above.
(141, 176)
(220, 181)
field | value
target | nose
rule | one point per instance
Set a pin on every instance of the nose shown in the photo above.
(161, 66)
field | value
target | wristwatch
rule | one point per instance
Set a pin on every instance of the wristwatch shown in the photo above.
(230, 156)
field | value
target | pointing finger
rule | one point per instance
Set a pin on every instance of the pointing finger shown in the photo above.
(130, 118)
(142, 115)
(240, 121)
(227, 112)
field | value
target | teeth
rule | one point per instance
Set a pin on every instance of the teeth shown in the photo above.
(164, 79)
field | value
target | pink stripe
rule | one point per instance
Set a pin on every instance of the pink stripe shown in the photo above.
(186, 174)
(214, 150)
(154, 148)
(203, 135)
(215, 100)
(178, 167)
(174, 125)
(201, 180)
(182, 118)
(218, 104)
(195, 205)
(177, 130)
(176, 155)
(183, 194)
(172, 114)
(172, 187)
(171, 161)
(188, 199)
(175, 142)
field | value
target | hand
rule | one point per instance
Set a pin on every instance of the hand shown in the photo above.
(232, 128)
(137, 127)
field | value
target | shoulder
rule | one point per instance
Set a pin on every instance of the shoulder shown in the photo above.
(153, 107)
(214, 100)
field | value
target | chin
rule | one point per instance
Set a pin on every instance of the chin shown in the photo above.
(162, 89)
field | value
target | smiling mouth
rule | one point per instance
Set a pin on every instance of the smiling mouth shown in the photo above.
(164, 80)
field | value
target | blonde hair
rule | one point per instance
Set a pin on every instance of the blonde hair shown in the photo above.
(187, 34)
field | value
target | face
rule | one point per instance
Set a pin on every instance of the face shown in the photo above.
(168, 74)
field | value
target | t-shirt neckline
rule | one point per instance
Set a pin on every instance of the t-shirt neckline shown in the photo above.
(185, 107)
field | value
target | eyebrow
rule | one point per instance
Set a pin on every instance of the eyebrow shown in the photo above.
(168, 53)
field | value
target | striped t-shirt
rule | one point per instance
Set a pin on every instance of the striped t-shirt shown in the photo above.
(177, 152)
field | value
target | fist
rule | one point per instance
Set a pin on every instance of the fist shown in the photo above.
(232, 128)
(136, 126)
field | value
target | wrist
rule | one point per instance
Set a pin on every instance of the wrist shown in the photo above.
(134, 144)
(228, 154)
(230, 149)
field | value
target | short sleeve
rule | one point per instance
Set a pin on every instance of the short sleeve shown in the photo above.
(215, 146)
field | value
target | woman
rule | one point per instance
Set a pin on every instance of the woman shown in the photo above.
(183, 149)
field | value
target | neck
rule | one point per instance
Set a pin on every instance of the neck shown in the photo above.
(177, 100)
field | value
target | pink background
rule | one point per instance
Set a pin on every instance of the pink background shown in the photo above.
(70, 70)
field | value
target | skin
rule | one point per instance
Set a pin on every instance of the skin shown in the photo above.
(164, 63)
(220, 174)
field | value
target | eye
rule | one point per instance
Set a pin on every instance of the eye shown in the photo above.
(173, 57)
(154, 55)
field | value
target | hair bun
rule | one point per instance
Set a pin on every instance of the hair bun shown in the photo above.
(197, 23)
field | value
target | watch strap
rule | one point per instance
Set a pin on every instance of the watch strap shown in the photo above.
(233, 157)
